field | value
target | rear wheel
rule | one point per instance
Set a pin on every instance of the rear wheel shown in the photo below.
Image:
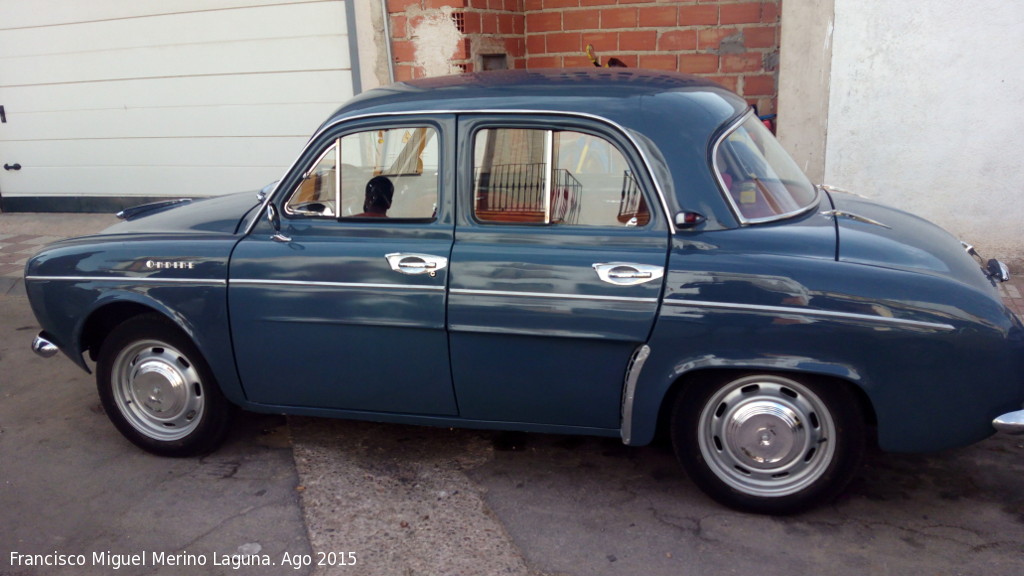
(767, 443)
(158, 391)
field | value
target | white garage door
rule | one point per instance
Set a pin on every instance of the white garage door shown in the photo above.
(110, 103)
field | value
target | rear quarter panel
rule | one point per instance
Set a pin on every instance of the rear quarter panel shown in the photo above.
(936, 358)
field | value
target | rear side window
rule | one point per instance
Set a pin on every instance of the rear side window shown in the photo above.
(761, 180)
(553, 177)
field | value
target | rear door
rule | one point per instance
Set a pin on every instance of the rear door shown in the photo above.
(556, 270)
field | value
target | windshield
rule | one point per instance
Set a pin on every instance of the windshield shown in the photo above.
(762, 181)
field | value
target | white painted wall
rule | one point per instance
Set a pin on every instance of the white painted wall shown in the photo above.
(155, 98)
(924, 111)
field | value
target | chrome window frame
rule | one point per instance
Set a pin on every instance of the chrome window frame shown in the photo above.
(744, 221)
(336, 148)
(618, 128)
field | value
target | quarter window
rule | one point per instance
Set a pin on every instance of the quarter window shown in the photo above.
(380, 173)
(553, 177)
(762, 181)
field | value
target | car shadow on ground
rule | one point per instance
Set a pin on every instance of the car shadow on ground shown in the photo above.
(582, 505)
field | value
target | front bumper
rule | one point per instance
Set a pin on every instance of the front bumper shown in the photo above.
(42, 346)
(1010, 423)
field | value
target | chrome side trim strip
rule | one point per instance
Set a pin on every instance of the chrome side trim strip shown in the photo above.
(636, 365)
(132, 279)
(309, 283)
(467, 292)
(810, 312)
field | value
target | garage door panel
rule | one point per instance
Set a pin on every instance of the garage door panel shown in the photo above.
(171, 152)
(309, 86)
(254, 121)
(143, 181)
(152, 98)
(239, 25)
(245, 57)
(20, 13)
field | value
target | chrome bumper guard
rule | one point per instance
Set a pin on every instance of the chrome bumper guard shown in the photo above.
(43, 347)
(1010, 423)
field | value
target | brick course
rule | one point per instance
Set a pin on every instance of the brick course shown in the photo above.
(733, 42)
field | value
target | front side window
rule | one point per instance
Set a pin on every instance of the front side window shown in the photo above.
(380, 173)
(762, 181)
(553, 177)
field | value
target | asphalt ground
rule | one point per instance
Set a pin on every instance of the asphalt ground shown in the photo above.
(421, 501)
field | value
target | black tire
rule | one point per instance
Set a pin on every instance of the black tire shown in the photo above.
(768, 443)
(158, 390)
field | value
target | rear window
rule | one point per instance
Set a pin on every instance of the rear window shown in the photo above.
(760, 179)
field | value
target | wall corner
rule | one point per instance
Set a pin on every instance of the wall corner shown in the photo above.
(805, 72)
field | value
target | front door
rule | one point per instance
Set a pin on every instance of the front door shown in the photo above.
(556, 272)
(345, 307)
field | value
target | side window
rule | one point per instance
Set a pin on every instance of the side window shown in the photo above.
(380, 173)
(553, 177)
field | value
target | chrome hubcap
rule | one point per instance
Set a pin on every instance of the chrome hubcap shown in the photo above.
(157, 390)
(767, 436)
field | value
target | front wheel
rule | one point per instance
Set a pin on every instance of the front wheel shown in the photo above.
(767, 443)
(158, 391)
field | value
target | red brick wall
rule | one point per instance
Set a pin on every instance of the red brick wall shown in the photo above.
(733, 42)
(495, 27)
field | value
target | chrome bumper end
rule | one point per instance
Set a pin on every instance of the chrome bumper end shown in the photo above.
(43, 347)
(1010, 423)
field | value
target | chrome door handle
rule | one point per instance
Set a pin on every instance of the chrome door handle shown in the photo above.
(414, 264)
(614, 274)
(627, 274)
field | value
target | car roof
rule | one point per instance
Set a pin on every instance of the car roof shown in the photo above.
(617, 94)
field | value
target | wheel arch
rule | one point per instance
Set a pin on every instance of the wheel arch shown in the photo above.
(699, 376)
(210, 333)
(156, 386)
(98, 324)
(771, 442)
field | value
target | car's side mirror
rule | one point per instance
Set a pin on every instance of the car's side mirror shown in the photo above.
(275, 222)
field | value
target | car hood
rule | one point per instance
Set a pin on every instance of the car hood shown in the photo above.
(220, 214)
(877, 235)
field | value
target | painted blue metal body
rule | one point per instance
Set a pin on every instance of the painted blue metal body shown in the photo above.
(517, 332)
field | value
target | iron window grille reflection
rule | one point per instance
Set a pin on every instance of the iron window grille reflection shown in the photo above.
(516, 193)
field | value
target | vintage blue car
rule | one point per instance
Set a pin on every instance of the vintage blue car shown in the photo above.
(608, 252)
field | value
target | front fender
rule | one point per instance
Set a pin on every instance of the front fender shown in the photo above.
(199, 310)
(78, 289)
